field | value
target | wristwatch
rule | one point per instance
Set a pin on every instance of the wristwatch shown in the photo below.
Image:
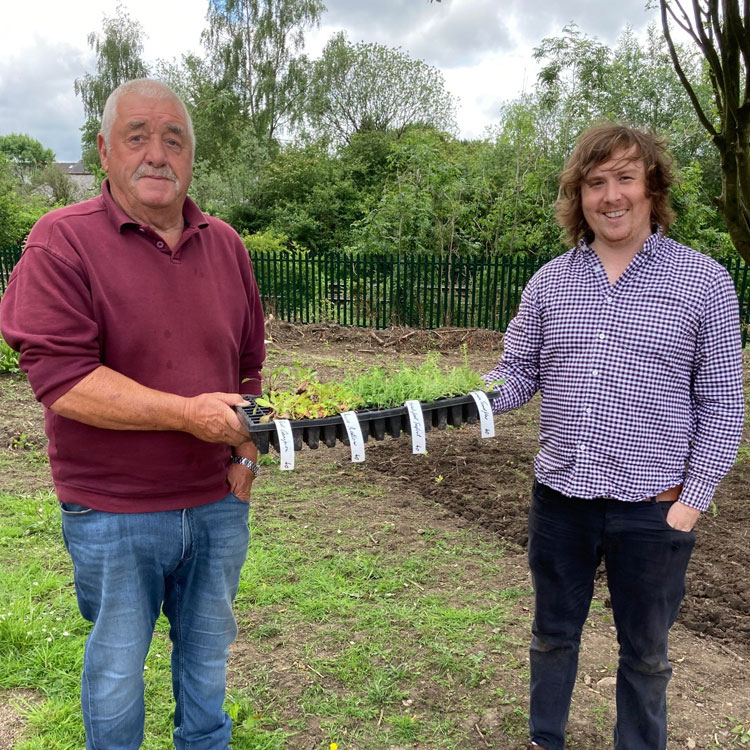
(247, 463)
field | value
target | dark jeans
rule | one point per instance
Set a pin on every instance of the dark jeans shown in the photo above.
(646, 562)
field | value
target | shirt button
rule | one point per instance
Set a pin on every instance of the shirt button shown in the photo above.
(595, 372)
(582, 446)
(589, 410)
(160, 245)
(601, 335)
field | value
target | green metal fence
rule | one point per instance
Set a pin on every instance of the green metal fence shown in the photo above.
(422, 292)
(385, 290)
(381, 291)
(740, 273)
(8, 258)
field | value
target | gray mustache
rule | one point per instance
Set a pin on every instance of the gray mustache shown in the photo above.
(146, 171)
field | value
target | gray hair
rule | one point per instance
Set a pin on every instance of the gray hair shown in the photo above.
(149, 88)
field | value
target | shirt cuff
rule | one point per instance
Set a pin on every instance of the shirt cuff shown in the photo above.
(697, 494)
(492, 382)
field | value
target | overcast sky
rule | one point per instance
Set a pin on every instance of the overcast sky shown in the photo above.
(482, 47)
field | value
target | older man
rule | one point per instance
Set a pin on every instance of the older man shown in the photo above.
(634, 342)
(139, 322)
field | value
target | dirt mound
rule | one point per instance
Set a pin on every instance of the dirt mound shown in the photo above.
(399, 339)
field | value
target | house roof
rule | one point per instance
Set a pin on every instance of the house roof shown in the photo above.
(69, 167)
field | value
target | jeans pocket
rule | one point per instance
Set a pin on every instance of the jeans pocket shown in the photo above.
(74, 509)
(232, 498)
(546, 495)
(663, 510)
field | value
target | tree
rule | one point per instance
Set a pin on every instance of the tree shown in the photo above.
(361, 87)
(432, 200)
(252, 46)
(218, 121)
(119, 51)
(18, 210)
(583, 80)
(721, 30)
(60, 188)
(522, 179)
(25, 154)
(572, 80)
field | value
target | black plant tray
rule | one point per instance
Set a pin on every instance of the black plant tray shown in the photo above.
(375, 423)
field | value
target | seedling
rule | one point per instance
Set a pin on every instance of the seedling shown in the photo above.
(297, 393)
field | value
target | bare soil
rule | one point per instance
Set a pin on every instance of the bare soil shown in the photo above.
(487, 483)
(482, 485)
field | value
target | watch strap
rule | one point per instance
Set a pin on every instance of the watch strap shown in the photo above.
(247, 463)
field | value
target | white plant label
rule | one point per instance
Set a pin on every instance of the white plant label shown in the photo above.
(486, 421)
(356, 441)
(286, 444)
(416, 418)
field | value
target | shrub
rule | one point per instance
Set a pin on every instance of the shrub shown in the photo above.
(8, 358)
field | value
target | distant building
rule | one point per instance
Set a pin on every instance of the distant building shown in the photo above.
(79, 175)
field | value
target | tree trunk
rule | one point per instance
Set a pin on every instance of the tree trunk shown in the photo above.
(733, 208)
(734, 201)
(722, 33)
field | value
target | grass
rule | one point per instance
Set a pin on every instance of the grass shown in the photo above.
(352, 631)
(363, 623)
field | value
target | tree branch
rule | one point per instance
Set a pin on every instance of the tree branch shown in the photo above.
(707, 124)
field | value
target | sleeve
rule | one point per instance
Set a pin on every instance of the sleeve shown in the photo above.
(518, 370)
(717, 396)
(254, 350)
(46, 315)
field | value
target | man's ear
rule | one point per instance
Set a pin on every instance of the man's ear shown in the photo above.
(103, 157)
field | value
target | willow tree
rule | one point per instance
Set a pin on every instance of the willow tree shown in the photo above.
(119, 58)
(254, 48)
(721, 30)
(361, 87)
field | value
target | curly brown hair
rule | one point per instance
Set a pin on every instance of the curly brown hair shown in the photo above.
(595, 146)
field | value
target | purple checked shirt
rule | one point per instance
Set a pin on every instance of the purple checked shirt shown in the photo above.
(641, 380)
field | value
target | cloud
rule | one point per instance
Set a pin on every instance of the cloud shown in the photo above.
(606, 21)
(463, 34)
(483, 48)
(382, 19)
(459, 33)
(484, 88)
(36, 88)
(449, 34)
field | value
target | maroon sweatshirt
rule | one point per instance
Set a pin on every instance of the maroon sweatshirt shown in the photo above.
(94, 288)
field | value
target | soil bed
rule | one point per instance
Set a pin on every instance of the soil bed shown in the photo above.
(488, 482)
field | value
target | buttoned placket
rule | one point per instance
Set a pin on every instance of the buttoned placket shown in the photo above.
(600, 345)
(162, 246)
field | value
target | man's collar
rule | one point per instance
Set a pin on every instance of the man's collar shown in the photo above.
(651, 245)
(192, 215)
(653, 242)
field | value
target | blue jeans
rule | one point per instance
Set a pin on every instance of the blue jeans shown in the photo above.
(646, 561)
(128, 566)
